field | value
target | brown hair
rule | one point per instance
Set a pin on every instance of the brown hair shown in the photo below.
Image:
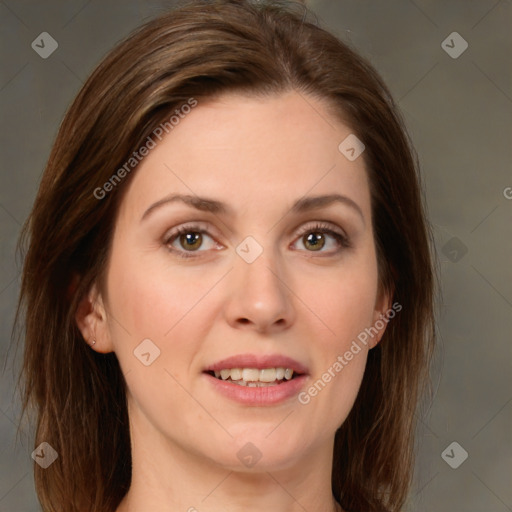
(202, 50)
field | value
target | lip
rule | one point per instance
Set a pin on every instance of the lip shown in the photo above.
(259, 362)
(268, 395)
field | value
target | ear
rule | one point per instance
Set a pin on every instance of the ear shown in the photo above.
(91, 319)
(380, 317)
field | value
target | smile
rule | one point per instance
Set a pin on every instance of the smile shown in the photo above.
(255, 377)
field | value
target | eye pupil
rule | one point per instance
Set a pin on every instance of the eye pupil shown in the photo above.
(314, 238)
(190, 238)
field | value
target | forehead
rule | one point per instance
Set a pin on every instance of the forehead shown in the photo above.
(249, 151)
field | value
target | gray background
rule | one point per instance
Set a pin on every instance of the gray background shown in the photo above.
(459, 114)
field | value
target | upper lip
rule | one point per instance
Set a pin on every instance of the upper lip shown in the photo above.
(259, 362)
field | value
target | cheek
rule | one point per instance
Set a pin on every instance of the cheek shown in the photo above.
(156, 301)
(345, 301)
(173, 306)
(345, 304)
(155, 297)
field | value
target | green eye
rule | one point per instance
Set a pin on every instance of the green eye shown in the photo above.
(314, 238)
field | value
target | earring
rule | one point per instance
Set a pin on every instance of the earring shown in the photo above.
(92, 343)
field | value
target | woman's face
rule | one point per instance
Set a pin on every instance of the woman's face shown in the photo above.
(253, 278)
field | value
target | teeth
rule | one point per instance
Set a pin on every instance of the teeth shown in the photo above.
(268, 375)
(252, 376)
(236, 374)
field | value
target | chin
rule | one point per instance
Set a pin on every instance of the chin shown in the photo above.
(257, 451)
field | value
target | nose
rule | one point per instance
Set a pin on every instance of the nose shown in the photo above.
(260, 295)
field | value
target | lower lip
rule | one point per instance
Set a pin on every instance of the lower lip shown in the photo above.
(267, 395)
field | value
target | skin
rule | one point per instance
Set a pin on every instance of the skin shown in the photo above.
(258, 156)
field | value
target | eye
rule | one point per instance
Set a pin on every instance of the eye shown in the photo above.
(314, 238)
(190, 238)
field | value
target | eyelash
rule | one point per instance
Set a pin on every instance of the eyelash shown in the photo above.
(319, 227)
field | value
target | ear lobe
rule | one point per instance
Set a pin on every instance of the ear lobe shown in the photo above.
(91, 320)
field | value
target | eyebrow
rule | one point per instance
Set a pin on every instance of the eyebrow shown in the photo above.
(205, 204)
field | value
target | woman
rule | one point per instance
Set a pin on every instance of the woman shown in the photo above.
(228, 288)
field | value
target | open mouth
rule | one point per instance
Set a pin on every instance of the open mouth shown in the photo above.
(254, 377)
